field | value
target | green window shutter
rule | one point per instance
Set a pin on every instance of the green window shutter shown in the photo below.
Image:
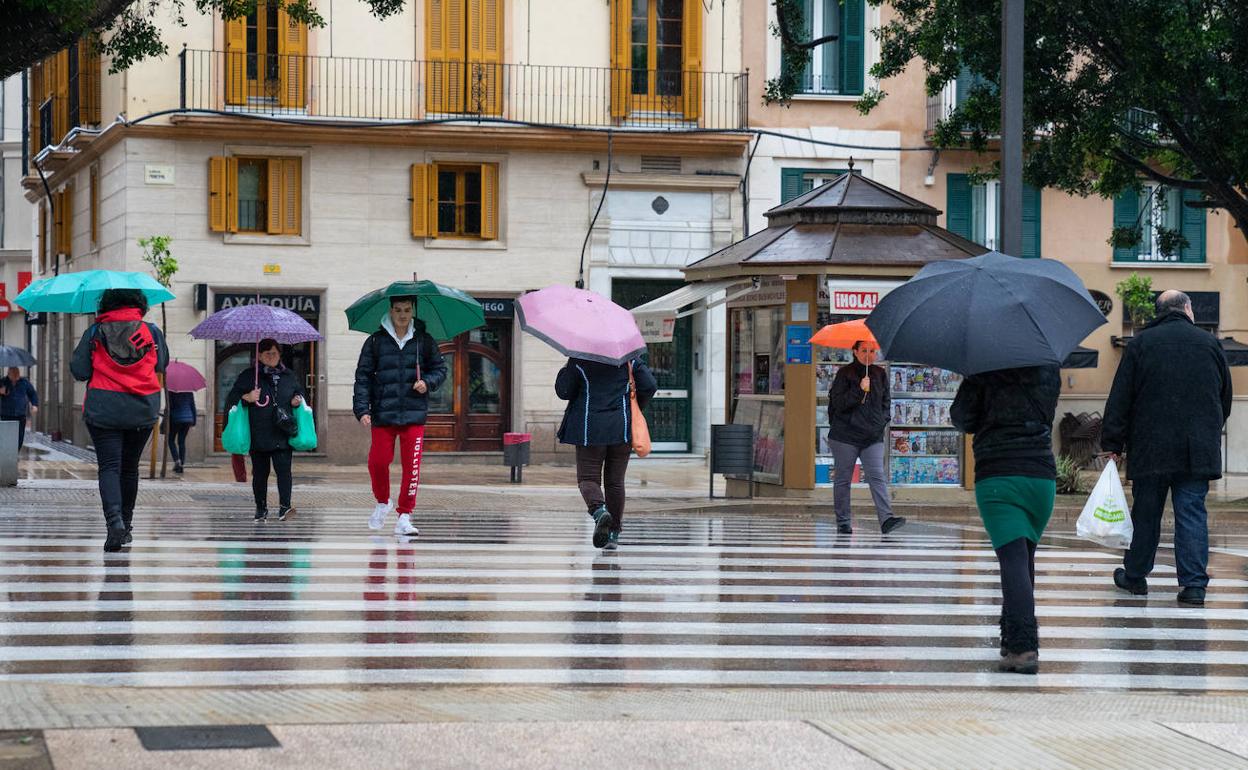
(1031, 222)
(805, 33)
(853, 46)
(1193, 229)
(791, 184)
(1127, 214)
(958, 205)
(962, 86)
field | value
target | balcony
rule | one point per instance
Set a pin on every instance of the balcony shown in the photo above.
(394, 90)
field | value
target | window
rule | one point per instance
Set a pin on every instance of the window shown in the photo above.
(266, 55)
(974, 212)
(656, 57)
(95, 204)
(464, 45)
(455, 200)
(64, 93)
(798, 181)
(255, 195)
(42, 242)
(837, 67)
(1168, 229)
(63, 222)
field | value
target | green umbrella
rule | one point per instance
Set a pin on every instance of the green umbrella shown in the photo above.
(80, 292)
(446, 311)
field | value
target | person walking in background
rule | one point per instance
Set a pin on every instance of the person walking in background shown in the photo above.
(399, 367)
(1010, 413)
(120, 357)
(1170, 398)
(859, 410)
(18, 398)
(182, 418)
(596, 422)
(269, 405)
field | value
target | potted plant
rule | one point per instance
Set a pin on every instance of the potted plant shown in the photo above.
(1138, 305)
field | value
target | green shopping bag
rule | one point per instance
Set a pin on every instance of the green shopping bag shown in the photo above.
(304, 439)
(236, 438)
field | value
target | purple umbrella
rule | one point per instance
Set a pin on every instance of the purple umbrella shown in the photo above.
(183, 378)
(581, 324)
(252, 323)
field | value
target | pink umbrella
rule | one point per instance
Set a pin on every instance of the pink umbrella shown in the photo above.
(581, 324)
(183, 378)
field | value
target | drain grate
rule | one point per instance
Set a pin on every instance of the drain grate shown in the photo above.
(205, 738)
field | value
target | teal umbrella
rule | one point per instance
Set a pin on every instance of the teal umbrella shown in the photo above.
(80, 292)
(446, 311)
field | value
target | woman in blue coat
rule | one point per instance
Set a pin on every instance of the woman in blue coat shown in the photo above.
(596, 422)
(182, 415)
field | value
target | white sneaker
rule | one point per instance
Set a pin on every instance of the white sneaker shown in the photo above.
(405, 526)
(379, 516)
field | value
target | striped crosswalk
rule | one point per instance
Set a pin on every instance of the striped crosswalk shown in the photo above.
(204, 597)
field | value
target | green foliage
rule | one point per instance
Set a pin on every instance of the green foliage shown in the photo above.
(1125, 237)
(1136, 293)
(1113, 91)
(156, 253)
(1068, 480)
(1170, 241)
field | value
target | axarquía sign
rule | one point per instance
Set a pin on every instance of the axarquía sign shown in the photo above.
(308, 305)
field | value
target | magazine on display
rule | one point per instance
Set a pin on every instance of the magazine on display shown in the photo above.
(944, 443)
(924, 470)
(921, 412)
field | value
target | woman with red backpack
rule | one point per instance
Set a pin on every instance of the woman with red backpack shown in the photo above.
(119, 357)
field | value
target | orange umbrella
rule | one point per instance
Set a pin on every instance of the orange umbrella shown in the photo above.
(844, 335)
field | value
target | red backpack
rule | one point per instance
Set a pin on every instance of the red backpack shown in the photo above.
(123, 354)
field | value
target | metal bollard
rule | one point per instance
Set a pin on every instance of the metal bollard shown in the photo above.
(8, 453)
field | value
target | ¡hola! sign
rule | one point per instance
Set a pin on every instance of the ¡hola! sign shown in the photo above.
(856, 297)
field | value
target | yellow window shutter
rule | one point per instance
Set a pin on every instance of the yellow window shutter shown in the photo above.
(236, 61)
(60, 105)
(95, 205)
(292, 50)
(292, 196)
(485, 56)
(431, 186)
(435, 52)
(88, 82)
(231, 194)
(691, 45)
(420, 200)
(216, 194)
(275, 203)
(489, 201)
(621, 41)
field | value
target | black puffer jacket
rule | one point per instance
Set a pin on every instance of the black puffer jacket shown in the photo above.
(276, 390)
(385, 375)
(1170, 398)
(854, 417)
(1010, 412)
(598, 411)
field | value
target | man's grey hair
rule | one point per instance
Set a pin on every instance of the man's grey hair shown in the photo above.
(1172, 300)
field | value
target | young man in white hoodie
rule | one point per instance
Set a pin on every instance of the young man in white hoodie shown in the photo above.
(399, 367)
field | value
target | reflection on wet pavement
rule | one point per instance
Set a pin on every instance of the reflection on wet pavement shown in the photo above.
(206, 597)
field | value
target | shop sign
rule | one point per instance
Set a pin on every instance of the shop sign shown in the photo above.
(498, 308)
(797, 347)
(656, 327)
(770, 291)
(158, 173)
(5, 308)
(1103, 302)
(856, 297)
(272, 269)
(303, 304)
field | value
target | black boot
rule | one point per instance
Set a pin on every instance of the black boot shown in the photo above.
(128, 519)
(116, 531)
(1020, 641)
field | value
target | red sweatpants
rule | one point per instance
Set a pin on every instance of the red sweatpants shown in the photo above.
(381, 454)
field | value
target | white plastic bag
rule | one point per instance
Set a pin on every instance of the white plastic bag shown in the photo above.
(1106, 519)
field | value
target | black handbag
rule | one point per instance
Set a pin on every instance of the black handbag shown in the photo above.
(284, 421)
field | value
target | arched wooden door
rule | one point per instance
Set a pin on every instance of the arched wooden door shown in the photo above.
(471, 411)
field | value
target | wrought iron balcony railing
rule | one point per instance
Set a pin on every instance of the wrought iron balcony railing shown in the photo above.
(335, 88)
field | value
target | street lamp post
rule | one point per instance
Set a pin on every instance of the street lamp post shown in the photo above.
(1012, 127)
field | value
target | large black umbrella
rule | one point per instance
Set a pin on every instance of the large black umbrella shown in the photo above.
(11, 356)
(986, 313)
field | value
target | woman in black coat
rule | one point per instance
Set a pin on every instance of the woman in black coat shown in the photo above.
(859, 409)
(270, 412)
(596, 422)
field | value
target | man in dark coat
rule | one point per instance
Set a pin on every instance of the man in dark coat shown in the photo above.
(399, 367)
(17, 399)
(1170, 398)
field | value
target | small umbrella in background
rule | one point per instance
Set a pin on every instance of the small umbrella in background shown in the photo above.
(581, 324)
(11, 356)
(183, 378)
(80, 292)
(844, 335)
(986, 313)
(252, 323)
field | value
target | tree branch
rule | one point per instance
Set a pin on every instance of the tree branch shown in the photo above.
(788, 39)
(1157, 176)
(33, 35)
